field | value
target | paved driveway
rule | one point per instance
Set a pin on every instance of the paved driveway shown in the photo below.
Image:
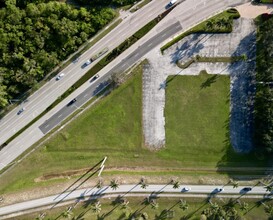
(240, 41)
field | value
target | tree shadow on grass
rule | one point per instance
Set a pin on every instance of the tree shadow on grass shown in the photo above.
(209, 81)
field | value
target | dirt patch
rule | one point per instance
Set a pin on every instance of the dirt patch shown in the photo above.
(87, 171)
(252, 11)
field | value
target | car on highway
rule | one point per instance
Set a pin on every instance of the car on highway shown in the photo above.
(94, 77)
(186, 189)
(88, 62)
(21, 111)
(72, 102)
(245, 189)
(59, 76)
(218, 190)
(171, 3)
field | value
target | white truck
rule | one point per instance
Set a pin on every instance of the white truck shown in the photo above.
(172, 2)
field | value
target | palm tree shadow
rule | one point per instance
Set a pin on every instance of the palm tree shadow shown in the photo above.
(209, 81)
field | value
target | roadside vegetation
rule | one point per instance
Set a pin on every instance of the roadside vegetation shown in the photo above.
(221, 23)
(200, 59)
(113, 128)
(264, 87)
(35, 37)
(95, 69)
(163, 208)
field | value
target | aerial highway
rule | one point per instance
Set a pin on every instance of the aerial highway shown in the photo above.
(47, 94)
(182, 17)
(74, 195)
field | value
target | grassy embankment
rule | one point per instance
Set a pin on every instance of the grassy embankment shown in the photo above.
(196, 129)
(194, 211)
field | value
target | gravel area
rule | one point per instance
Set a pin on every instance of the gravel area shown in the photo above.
(240, 41)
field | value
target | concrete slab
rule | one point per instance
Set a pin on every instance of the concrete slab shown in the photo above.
(240, 41)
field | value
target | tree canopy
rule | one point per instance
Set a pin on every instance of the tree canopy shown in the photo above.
(264, 91)
(36, 36)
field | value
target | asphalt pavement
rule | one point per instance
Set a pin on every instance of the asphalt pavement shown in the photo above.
(47, 94)
(86, 95)
(75, 195)
(53, 89)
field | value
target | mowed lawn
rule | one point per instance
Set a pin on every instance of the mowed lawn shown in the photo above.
(197, 118)
(196, 128)
(197, 122)
(116, 211)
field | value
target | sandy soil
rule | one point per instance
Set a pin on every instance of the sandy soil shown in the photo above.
(252, 11)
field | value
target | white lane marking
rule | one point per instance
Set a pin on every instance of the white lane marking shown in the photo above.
(136, 54)
(46, 126)
(163, 35)
(150, 44)
(60, 116)
(85, 95)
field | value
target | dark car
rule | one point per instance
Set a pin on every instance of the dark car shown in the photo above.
(94, 78)
(88, 62)
(20, 111)
(245, 189)
(217, 190)
(72, 102)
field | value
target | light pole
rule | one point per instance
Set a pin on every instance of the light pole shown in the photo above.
(102, 166)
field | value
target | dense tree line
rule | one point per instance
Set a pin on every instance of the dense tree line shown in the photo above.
(107, 2)
(36, 37)
(264, 90)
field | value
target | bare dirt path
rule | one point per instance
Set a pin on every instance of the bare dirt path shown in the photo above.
(252, 11)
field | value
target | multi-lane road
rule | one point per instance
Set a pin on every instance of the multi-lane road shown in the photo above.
(74, 195)
(132, 58)
(46, 95)
(183, 16)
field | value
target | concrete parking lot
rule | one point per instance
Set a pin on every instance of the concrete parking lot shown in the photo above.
(240, 42)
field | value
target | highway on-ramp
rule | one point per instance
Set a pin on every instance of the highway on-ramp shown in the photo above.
(74, 195)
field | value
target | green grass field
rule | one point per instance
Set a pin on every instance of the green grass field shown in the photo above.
(196, 135)
(194, 211)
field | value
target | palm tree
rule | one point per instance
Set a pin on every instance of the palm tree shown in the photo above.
(143, 183)
(269, 188)
(175, 183)
(183, 205)
(269, 210)
(96, 207)
(67, 214)
(114, 184)
(234, 183)
(244, 207)
(124, 204)
(154, 204)
(209, 24)
(214, 206)
(41, 216)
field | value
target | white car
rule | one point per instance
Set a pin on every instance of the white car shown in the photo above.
(59, 76)
(186, 189)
